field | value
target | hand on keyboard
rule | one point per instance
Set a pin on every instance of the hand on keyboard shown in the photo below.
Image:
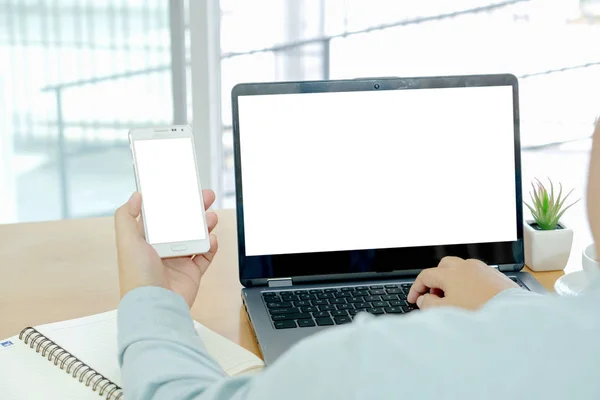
(456, 282)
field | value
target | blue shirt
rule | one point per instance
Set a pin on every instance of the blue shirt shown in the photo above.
(518, 346)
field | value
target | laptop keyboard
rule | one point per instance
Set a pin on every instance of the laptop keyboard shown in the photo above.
(334, 306)
(337, 306)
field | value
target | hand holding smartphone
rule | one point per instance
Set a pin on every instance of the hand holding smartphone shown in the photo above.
(166, 175)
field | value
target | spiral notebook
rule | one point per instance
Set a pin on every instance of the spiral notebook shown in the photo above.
(77, 359)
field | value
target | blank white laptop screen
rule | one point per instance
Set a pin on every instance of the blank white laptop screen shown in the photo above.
(377, 169)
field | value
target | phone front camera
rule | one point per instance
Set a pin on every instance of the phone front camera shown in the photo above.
(376, 86)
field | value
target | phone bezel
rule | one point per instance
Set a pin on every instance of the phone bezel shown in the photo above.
(161, 133)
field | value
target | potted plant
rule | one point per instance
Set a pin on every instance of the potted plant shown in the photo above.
(547, 240)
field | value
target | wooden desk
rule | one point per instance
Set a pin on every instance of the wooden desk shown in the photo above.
(51, 271)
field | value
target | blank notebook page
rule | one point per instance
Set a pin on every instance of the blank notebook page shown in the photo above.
(26, 374)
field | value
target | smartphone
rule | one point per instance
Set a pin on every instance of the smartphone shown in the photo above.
(166, 175)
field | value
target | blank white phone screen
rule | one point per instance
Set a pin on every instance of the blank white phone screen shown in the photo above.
(170, 192)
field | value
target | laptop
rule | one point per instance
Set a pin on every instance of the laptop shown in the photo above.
(346, 190)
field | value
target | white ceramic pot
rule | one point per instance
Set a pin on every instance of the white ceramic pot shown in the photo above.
(547, 250)
(590, 262)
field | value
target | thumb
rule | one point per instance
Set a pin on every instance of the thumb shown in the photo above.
(429, 300)
(126, 217)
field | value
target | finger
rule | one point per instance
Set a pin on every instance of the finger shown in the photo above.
(204, 260)
(436, 292)
(209, 198)
(211, 220)
(432, 278)
(140, 226)
(449, 261)
(126, 216)
(429, 300)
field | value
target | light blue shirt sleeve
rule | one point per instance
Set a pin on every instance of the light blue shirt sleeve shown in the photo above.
(519, 346)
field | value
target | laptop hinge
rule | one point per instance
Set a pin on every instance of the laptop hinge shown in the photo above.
(279, 282)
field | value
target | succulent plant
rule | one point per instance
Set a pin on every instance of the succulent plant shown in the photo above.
(545, 208)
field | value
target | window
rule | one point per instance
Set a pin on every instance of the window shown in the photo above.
(550, 46)
(77, 75)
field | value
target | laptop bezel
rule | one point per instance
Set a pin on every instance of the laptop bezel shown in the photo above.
(368, 84)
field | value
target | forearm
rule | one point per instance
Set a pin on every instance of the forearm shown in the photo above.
(160, 352)
(162, 357)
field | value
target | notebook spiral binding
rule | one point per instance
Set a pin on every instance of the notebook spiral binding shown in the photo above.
(71, 364)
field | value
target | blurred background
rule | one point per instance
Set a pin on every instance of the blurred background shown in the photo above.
(76, 75)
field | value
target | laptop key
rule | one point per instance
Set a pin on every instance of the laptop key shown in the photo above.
(315, 291)
(380, 304)
(309, 309)
(276, 311)
(267, 294)
(283, 317)
(324, 321)
(342, 320)
(347, 289)
(289, 297)
(394, 291)
(361, 293)
(352, 313)
(273, 299)
(342, 294)
(307, 297)
(320, 314)
(337, 301)
(319, 302)
(339, 313)
(282, 304)
(344, 306)
(299, 292)
(362, 305)
(393, 310)
(373, 298)
(389, 297)
(402, 296)
(375, 311)
(391, 286)
(326, 308)
(376, 287)
(356, 300)
(397, 303)
(325, 296)
(305, 323)
(302, 303)
(361, 288)
(285, 324)
(330, 290)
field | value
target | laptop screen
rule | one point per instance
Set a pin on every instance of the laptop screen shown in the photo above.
(377, 169)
